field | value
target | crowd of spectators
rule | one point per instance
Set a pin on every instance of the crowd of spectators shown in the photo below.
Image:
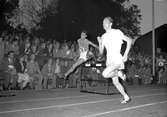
(36, 63)
(140, 66)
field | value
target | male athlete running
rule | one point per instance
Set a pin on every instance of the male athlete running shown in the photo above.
(83, 43)
(112, 40)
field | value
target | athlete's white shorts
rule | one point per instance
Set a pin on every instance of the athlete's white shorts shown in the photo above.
(113, 64)
(83, 55)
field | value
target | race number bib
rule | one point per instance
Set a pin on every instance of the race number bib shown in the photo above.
(161, 64)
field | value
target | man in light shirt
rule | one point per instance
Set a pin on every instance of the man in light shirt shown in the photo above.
(112, 41)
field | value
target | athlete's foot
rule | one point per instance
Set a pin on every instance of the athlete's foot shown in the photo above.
(126, 100)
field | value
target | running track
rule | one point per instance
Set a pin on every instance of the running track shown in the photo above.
(147, 101)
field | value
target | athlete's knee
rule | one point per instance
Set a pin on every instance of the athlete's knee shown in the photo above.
(105, 74)
(115, 81)
(111, 74)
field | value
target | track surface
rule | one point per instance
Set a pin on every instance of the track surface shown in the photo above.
(147, 101)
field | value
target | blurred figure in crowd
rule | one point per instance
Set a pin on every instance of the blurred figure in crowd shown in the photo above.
(48, 72)
(35, 73)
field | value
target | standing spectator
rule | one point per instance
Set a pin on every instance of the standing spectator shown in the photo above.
(164, 76)
(8, 66)
(42, 55)
(161, 67)
(7, 45)
(48, 72)
(58, 73)
(2, 49)
(34, 72)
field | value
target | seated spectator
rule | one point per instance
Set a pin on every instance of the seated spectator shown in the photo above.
(26, 49)
(23, 77)
(34, 72)
(49, 50)
(48, 72)
(42, 50)
(36, 41)
(15, 47)
(33, 50)
(56, 50)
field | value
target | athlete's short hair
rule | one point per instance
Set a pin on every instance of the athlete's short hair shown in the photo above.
(109, 19)
(84, 31)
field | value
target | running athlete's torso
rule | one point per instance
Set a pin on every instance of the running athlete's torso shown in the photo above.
(83, 48)
(112, 41)
(83, 45)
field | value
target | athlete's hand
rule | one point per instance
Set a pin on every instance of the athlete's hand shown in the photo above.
(99, 39)
(100, 57)
(125, 58)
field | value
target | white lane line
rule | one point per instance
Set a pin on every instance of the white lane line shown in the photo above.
(45, 99)
(125, 109)
(73, 104)
(49, 99)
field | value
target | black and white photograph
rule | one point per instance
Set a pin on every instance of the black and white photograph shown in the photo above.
(83, 58)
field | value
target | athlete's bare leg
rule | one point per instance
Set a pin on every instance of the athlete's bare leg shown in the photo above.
(121, 89)
(111, 72)
(74, 66)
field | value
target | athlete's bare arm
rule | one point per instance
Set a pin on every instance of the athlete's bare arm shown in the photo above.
(94, 45)
(101, 45)
(129, 43)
